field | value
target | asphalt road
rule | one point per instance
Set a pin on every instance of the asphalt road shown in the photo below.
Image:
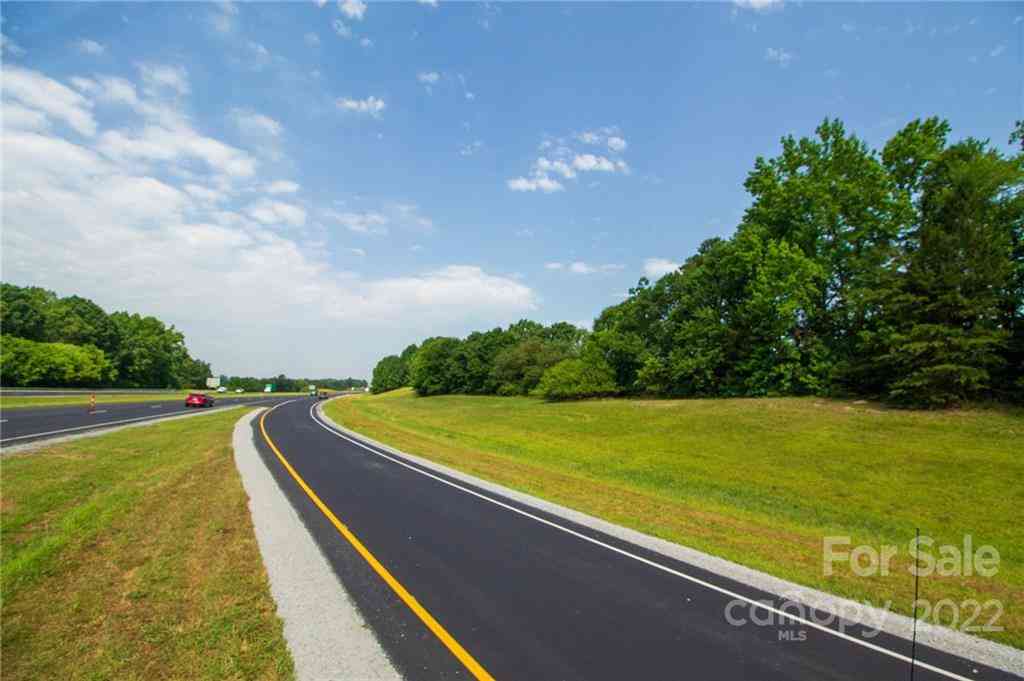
(26, 424)
(527, 595)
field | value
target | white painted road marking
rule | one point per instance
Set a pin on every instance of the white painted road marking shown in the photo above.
(641, 559)
(100, 411)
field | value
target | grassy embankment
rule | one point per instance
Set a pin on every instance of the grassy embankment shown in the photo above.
(132, 556)
(22, 401)
(757, 481)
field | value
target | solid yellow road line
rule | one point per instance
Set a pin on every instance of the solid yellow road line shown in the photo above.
(456, 649)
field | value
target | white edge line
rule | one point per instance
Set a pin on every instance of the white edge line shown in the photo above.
(641, 559)
(110, 423)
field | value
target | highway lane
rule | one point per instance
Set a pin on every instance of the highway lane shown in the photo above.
(27, 424)
(523, 594)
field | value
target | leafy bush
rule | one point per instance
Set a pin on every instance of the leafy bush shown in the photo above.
(570, 379)
(30, 363)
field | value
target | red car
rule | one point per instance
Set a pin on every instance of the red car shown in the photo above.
(198, 400)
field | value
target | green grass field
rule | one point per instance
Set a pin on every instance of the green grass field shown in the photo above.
(132, 556)
(757, 481)
(22, 401)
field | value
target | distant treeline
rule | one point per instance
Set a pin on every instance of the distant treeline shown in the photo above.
(72, 342)
(282, 383)
(897, 275)
(61, 342)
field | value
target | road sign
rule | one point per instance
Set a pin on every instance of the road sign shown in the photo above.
(213, 382)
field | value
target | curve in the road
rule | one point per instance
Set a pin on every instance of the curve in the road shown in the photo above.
(535, 596)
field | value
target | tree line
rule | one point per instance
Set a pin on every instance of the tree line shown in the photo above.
(282, 383)
(896, 274)
(50, 341)
(64, 342)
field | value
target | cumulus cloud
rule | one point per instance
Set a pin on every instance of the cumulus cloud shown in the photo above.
(341, 28)
(353, 9)
(368, 222)
(590, 162)
(282, 187)
(581, 267)
(49, 98)
(277, 213)
(252, 123)
(162, 77)
(655, 268)
(532, 184)
(428, 77)
(155, 218)
(374, 106)
(617, 144)
(758, 5)
(91, 47)
(8, 46)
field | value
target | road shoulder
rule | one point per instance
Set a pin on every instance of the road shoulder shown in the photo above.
(327, 636)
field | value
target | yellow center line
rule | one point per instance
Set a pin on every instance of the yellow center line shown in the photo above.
(456, 649)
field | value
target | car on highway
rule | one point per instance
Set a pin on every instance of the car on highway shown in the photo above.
(198, 400)
(322, 395)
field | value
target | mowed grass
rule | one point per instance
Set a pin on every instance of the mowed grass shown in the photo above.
(132, 556)
(22, 401)
(760, 482)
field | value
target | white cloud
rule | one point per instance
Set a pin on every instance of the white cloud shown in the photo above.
(655, 268)
(256, 124)
(543, 166)
(778, 55)
(471, 148)
(997, 50)
(432, 3)
(312, 39)
(162, 77)
(758, 5)
(223, 19)
(259, 49)
(581, 267)
(282, 187)
(369, 222)
(49, 97)
(617, 144)
(590, 162)
(341, 29)
(353, 9)
(153, 231)
(9, 46)
(276, 212)
(532, 184)
(428, 77)
(357, 252)
(86, 46)
(373, 106)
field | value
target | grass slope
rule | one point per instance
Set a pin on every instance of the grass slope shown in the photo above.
(132, 556)
(760, 482)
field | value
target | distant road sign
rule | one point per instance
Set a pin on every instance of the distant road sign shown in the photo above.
(213, 382)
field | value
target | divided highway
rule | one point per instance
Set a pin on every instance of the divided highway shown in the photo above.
(457, 581)
(27, 424)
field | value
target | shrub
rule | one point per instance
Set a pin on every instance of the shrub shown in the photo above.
(588, 376)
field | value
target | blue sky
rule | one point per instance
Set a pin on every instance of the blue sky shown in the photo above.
(303, 188)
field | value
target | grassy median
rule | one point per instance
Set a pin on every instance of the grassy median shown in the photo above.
(132, 556)
(757, 481)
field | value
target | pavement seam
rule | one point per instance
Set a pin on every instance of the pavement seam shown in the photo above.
(981, 651)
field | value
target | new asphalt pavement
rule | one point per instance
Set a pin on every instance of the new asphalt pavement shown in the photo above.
(458, 582)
